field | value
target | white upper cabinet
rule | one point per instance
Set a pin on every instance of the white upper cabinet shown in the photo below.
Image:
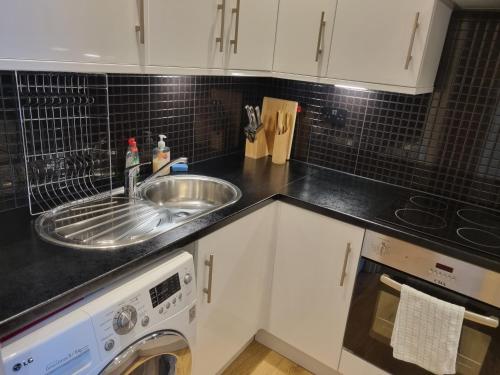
(250, 35)
(389, 42)
(303, 36)
(185, 33)
(392, 45)
(89, 31)
(230, 34)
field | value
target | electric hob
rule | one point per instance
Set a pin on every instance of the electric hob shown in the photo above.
(474, 227)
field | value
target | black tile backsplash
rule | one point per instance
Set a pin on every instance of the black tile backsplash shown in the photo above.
(201, 115)
(12, 167)
(445, 143)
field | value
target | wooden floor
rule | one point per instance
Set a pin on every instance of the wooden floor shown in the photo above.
(258, 359)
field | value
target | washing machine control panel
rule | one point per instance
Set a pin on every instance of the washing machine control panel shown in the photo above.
(164, 290)
(142, 304)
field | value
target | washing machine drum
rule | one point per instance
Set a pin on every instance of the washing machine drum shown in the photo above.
(160, 353)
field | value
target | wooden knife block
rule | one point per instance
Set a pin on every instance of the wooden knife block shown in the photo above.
(258, 148)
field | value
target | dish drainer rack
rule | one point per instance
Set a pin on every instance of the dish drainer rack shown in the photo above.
(66, 137)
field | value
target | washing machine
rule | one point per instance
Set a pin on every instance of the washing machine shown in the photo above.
(144, 324)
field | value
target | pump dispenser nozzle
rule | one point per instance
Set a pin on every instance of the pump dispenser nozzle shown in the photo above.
(161, 142)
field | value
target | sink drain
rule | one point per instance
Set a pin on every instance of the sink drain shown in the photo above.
(182, 214)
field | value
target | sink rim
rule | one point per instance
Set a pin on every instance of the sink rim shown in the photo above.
(143, 189)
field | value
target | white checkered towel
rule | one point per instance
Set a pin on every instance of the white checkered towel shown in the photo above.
(427, 331)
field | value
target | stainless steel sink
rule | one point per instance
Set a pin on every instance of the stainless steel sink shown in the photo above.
(186, 196)
(111, 222)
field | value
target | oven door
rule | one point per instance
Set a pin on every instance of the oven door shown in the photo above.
(373, 311)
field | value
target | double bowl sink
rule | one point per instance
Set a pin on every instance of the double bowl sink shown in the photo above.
(109, 222)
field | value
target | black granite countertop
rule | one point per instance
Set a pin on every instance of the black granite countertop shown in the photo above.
(37, 278)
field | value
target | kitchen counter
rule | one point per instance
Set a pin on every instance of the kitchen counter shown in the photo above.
(37, 278)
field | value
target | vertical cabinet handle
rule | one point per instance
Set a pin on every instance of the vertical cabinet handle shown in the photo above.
(321, 32)
(236, 11)
(220, 38)
(346, 257)
(208, 290)
(140, 28)
(412, 40)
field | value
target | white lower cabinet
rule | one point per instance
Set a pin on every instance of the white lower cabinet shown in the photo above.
(282, 269)
(243, 254)
(314, 272)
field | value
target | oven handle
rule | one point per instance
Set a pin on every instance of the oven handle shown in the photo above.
(489, 321)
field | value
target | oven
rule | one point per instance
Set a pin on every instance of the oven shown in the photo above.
(387, 263)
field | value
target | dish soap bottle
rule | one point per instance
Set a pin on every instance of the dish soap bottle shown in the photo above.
(161, 156)
(131, 159)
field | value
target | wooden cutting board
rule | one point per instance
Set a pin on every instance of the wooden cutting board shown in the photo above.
(270, 108)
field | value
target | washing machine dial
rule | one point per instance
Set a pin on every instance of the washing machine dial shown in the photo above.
(125, 319)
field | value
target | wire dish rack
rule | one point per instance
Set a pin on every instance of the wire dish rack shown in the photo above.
(66, 137)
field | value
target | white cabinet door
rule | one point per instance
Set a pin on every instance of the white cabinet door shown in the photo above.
(243, 255)
(302, 41)
(310, 293)
(184, 33)
(373, 41)
(89, 31)
(251, 33)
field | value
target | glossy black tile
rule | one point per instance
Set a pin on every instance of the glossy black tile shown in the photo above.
(12, 168)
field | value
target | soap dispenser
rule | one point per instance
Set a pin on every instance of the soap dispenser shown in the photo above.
(131, 159)
(161, 156)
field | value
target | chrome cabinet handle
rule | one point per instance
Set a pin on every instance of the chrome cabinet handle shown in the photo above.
(489, 321)
(220, 38)
(140, 28)
(321, 32)
(412, 40)
(234, 42)
(346, 257)
(208, 291)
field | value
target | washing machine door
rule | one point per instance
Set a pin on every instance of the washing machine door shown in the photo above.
(160, 353)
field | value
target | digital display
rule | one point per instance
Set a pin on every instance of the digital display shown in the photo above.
(164, 290)
(444, 267)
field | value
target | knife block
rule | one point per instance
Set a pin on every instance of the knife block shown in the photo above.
(280, 148)
(258, 148)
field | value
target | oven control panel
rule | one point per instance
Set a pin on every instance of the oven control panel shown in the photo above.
(451, 273)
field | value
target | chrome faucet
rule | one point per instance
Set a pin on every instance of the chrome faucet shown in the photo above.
(130, 172)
